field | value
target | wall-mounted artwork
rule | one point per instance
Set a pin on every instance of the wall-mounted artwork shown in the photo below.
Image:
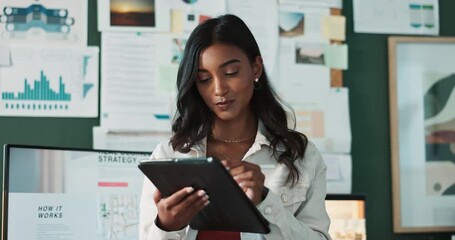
(422, 120)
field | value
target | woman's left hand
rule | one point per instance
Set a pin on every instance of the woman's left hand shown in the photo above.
(249, 177)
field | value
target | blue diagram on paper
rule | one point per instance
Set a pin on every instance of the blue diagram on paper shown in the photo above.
(36, 16)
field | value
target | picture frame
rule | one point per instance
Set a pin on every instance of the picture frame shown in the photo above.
(422, 133)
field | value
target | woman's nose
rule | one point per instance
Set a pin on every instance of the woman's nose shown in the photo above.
(221, 88)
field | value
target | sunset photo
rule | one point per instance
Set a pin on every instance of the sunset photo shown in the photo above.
(137, 13)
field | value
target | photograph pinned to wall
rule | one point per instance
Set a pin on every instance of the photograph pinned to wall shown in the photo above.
(301, 22)
(291, 24)
(309, 53)
(44, 22)
(422, 119)
(133, 15)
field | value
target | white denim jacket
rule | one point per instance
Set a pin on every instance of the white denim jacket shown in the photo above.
(293, 213)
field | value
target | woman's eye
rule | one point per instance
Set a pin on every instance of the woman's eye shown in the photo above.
(202, 80)
(231, 73)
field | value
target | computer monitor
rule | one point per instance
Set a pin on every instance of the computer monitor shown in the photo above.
(347, 216)
(63, 193)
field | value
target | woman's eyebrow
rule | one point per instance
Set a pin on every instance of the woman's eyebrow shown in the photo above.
(235, 60)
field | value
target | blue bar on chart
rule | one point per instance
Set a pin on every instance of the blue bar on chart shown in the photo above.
(41, 91)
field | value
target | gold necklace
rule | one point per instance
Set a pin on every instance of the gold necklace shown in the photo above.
(229, 141)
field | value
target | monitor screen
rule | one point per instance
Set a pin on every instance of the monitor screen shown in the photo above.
(56, 193)
(347, 216)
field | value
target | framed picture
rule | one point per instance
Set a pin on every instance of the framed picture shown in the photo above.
(422, 120)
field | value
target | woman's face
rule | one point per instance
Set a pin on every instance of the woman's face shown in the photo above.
(225, 80)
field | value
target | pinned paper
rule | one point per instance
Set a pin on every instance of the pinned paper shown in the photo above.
(167, 78)
(336, 56)
(5, 55)
(339, 173)
(334, 28)
(176, 21)
(333, 169)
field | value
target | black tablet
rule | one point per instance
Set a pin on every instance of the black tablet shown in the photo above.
(229, 209)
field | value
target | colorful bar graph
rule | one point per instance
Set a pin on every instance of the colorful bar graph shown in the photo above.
(41, 91)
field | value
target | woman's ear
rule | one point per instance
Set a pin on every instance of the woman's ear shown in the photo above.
(258, 67)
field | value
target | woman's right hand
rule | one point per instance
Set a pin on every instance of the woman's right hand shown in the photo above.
(176, 211)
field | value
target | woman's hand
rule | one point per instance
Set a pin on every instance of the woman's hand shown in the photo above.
(249, 177)
(176, 211)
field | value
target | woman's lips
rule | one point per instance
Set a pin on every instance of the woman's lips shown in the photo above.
(224, 105)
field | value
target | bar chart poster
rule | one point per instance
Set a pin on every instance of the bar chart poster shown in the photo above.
(44, 21)
(50, 82)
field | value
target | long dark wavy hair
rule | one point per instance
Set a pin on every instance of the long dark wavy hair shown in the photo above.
(193, 119)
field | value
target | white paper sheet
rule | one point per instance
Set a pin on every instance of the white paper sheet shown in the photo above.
(302, 75)
(40, 18)
(317, 3)
(130, 99)
(327, 122)
(339, 173)
(50, 82)
(198, 6)
(186, 15)
(263, 24)
(133, 16)
(5, 55)
(399, 17)
(127, 141)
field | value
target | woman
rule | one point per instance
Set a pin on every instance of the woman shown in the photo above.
(227, 109)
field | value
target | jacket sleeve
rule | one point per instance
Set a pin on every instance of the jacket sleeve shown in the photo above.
(309, 220)
(148, 212)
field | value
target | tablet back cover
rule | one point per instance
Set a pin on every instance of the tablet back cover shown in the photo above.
(229, 209)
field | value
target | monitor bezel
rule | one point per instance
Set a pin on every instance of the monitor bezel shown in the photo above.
(6, 155)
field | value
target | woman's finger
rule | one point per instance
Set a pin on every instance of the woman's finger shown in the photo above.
(157, 196)
(178, 196)
(191, 200)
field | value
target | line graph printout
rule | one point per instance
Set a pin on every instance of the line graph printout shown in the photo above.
(50, 82)
(44, 22)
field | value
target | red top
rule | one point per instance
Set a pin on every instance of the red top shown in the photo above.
(217, 235)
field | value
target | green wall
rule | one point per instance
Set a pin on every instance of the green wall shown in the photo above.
(367, 80)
